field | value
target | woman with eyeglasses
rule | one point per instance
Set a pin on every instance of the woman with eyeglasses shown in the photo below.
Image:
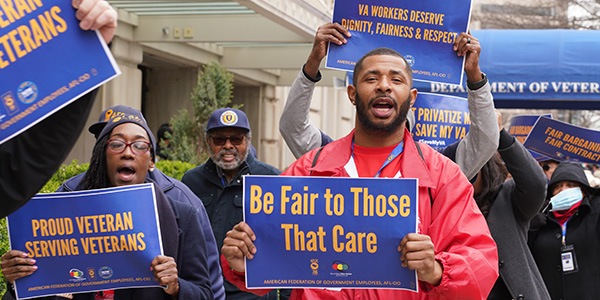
(123, 155)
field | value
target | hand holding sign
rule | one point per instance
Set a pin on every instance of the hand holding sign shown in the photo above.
(238, 244)
(96, 15)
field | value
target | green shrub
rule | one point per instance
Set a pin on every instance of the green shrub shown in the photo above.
(175, 169)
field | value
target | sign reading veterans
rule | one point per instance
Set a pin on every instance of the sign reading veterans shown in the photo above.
(422, 31)
(440, 120)
(46, 61)
(87, 240)
(520, 127)
(563, 141)
(315, 232)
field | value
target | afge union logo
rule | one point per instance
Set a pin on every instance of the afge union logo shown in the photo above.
(229, 118)
(314, 266)
(8, 99)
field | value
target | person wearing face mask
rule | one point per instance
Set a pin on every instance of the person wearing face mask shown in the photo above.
(566, 246)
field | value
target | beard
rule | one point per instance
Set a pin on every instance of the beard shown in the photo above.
(363, 117)
(232, 165)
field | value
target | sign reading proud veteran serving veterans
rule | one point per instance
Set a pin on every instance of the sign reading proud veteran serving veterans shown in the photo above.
(440, 120)
(87, 240)
(422, 31)
(46, 61)
(326, 232)
(564, 142)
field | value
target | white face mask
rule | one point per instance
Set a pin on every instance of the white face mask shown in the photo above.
(566, 198)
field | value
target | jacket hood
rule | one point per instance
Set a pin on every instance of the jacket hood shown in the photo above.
(568, 172)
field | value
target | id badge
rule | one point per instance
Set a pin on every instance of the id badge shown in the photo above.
(569, 261)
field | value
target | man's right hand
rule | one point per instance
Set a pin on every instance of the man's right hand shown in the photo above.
(330, 32)
(17, 264)
(239, 243)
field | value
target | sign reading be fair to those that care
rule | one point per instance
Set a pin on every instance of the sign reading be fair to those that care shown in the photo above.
(422, 31)
(46, 61)
(329, 232)
(88, 240)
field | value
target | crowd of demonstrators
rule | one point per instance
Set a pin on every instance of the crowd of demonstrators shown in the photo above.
(28, 160)
(527, 237)
(566, 244)
(123, 155)
(218, 182)
(174, 189)
(508, 207)
(471, 153)
(453, 253)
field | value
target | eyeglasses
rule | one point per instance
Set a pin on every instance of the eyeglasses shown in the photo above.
(220, 140)
(137, 147)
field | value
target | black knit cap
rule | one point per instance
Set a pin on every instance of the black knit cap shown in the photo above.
(566, 171)
(117, 115)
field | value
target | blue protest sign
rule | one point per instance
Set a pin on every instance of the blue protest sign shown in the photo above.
(329, 232)
(520, 127)
(440, 120)
(88, 240)
(46, 61)
(422, 31)
(564, 142)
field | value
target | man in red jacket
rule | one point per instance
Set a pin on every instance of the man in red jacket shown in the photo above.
(453, 252)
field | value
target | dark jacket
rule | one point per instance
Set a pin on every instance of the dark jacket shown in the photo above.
(183, 240)
(518, 200)
(223, 202)
(28, 160)
(179, 192)
(583, 232)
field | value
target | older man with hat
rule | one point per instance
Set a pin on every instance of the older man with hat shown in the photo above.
(218, 182)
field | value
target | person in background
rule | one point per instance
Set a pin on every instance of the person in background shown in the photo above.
(508, 207)
(218, 182)
(164, 135)
(566, 245)
(548, 165)
(453, 253)
(28, 160)
(174, 189)
(122, 155)
(471, 153)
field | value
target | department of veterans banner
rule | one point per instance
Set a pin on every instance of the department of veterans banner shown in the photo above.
(440, 120)
(87, 240)
(564, 142)
(46, 61)
(520, 127)
(329, 232)
(422, 31)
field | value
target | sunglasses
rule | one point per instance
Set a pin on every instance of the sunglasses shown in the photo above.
(220, 140)
(137, 147)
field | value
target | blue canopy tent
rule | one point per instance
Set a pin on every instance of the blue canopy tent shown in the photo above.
(543, 69)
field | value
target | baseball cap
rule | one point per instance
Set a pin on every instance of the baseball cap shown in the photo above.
(227, 117)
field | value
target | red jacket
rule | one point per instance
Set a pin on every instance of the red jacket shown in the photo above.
(458, 230)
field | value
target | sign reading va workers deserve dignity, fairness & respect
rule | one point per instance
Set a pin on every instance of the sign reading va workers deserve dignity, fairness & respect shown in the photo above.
(87, 240)
(46, 61)
(329, 232)
(422, 31)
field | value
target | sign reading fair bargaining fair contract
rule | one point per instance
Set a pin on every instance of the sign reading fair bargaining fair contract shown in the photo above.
(422, 31)
(315, 232)
(87, 240)
(46, 61)
(440, 120)
(564, 142)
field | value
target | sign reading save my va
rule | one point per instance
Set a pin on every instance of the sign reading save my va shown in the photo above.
(329, 232)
